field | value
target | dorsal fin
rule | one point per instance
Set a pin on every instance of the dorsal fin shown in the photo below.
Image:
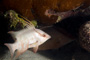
(28, 22)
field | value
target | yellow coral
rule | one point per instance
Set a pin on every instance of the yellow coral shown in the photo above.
(15, 19)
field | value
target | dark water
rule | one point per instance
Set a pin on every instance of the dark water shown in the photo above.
(4, 36)
(72, 24)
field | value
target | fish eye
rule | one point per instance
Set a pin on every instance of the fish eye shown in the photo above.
(44, 35)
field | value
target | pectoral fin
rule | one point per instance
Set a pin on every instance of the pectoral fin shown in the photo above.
(19, 52)
(35, 49)
(34, 46)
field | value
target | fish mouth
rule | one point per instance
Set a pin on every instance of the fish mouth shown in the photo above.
(48, 36)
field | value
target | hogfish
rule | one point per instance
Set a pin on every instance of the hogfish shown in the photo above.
(26, 38)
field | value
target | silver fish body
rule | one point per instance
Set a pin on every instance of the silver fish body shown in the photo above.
(26, 38)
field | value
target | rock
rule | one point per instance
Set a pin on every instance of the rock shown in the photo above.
(84, 36)
(35, 9)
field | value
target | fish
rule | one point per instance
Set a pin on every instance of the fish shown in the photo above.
(29, 37)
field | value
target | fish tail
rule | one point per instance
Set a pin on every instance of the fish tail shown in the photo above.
(12, 48)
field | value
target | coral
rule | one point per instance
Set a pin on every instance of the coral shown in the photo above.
(16, 19)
